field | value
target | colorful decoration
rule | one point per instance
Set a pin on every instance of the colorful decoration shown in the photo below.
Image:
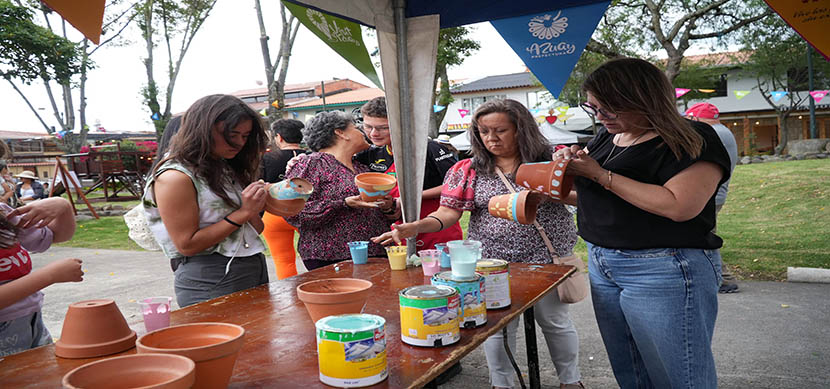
(562, 110)
(706, 90)
(777, 95)
(551, 41)
(275, 104)
(808, 19)
(264, 112)
(678, 92)
(463, 112)
(565, 117)
(739, 94)
(438, 108)
(819, 94)
(155, 116)
(550, 119)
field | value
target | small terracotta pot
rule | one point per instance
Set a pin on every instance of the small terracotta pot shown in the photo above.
(213, 346)
(373, 186)
(93, 328)
(134, 371)
(287, 197)
(546, 177)
(519, 207)
(333, 296)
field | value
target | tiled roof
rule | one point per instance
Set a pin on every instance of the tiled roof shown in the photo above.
(22, 135)
(361, 95)
(504, 81)
(718, 59)
(288, 88)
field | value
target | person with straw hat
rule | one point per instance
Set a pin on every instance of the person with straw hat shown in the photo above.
(29, 188)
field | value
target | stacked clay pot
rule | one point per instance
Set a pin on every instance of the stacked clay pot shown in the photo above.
(333, 296)
(93, 328)
(287, 197)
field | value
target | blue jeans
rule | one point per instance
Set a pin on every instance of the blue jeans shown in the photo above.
(656, 311)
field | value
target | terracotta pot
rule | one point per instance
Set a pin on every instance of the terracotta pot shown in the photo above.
(333, 296)
(373, 186)
(546, 177)
(287, 197)
(519, 207)
(94, 328)
(134, 371)
(213, 346)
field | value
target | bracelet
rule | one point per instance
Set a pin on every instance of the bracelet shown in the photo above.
(610, 177)
(233, 223)
(439, 221)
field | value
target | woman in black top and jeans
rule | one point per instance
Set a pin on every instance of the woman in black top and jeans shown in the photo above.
(278, 234)
(645, 193)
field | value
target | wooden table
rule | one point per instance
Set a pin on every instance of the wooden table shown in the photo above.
(280, 344)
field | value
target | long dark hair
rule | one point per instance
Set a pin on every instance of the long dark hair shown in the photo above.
(533, 146)
(631, 85)
(193, 145)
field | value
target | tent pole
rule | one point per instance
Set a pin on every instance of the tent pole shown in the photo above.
(408, 152)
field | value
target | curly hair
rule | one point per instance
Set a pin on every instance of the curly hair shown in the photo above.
(319, 131)
(375, 108)
(193, 145)
(533, 146)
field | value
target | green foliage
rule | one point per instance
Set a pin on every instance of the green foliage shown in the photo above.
(29, 52)
(572, 92)
(454, 45)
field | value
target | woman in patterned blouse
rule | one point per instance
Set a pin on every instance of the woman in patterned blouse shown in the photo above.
(334, 214)
(504, 136)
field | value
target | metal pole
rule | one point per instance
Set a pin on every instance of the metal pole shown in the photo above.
(813, 134)
(408, 153)
(323, 92)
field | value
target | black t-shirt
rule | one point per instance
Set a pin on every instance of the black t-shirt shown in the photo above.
(607, 220)
(439, 161)
(273, 163)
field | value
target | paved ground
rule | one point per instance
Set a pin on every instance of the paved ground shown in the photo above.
(770, 335)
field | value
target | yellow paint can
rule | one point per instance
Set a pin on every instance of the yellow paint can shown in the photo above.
(471, 293)
(351, 350)
(429, 315)
(496, 280)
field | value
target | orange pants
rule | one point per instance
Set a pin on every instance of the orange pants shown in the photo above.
(280, 238)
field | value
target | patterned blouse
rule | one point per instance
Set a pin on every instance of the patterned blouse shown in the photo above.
(326, 223)
(464, 190)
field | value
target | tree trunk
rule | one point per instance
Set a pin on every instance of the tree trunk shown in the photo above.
(443, 98)
(782, 132)
(151, 90)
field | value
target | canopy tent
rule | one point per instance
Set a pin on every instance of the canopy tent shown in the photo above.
(554, 133)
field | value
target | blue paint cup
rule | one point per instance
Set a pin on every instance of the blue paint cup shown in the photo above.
(445, 255)
(359, 251)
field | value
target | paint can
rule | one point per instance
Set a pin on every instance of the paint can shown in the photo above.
(429, 315)
(496, 280)
(471, 293)
(351, 350)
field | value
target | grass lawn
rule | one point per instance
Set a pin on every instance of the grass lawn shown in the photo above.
(777, 215)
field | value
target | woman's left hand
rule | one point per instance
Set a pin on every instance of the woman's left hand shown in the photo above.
(357, 202)
(583, 165)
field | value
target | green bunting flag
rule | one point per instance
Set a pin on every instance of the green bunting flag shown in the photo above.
(341, 35)
(739, 94)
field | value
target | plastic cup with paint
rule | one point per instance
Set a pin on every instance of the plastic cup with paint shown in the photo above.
(464, 254)
(397, 257)
(445, 255)
(156, 312)
(359, 251)
(430, 261)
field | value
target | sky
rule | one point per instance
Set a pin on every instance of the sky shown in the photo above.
(224, 57)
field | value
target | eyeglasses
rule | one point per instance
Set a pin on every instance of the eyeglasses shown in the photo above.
(368, 129)
(594, 111)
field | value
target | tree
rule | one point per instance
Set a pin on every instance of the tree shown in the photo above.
(453, 47)
(779, 63)
(276, 87)
(175, 23)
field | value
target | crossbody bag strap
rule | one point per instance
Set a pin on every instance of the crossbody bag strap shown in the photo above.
(538, 226)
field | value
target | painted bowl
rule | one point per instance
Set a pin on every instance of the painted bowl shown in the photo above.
(373, 186)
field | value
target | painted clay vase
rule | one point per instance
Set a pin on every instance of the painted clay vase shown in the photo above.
(134, 371)
(93, 328)
(213, 346)
(373, 186)
(519, 207)
(287, 197)
(546, 177)
(333, 296)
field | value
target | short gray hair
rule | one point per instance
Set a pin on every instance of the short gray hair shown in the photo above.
(319, 131)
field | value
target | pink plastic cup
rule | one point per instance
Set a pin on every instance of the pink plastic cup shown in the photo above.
(156, 311)
(430, 261)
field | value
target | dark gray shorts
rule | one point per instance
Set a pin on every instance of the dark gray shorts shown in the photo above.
(203, 277)
(23, 333)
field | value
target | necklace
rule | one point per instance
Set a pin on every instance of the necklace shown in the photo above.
(614, 147)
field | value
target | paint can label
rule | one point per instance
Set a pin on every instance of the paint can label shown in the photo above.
(471, 293)
(352, 350)
(496, 280)
(430, 315)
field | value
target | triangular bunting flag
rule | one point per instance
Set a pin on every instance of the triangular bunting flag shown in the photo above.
(550, 43)
(565, 117)
(562, 109)
(438, 108)
(155, 116)
(463, 112)
(706, 90)
(819, 94)
(678, 92)
(777, 95)
(264, 112)
(809, 19)
(739, 94)
(276, 104)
